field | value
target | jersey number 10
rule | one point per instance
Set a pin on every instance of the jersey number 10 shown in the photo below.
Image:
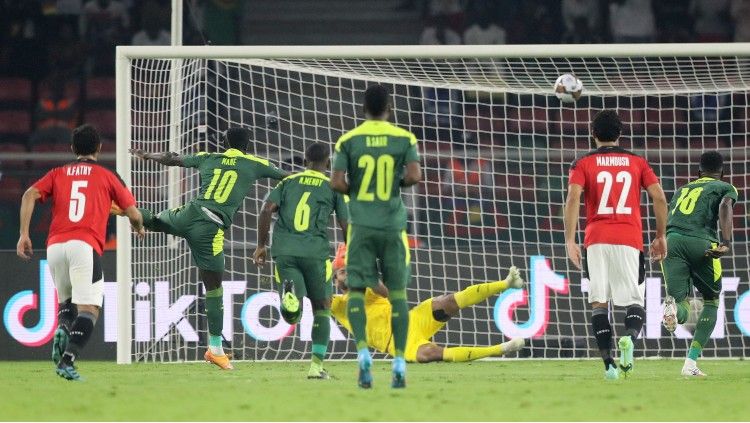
(623, 178)
(226, 183)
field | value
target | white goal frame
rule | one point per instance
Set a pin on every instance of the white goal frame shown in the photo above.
(123, 106)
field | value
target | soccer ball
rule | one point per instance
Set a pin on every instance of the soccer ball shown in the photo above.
(568, 88)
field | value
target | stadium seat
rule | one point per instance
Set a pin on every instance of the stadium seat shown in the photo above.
(11, 188)
(528, 120)
(103, 120)
(634, 121)
(65, 155)
(15, 122)
(100, 89)
(15, 90)
(574, 121)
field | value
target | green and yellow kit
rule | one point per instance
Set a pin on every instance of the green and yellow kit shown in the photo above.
(225, 178)
(374, 156)
(691, 230)
(300, 246)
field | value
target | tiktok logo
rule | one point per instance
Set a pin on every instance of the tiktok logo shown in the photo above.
(543, 279)
(22, 302)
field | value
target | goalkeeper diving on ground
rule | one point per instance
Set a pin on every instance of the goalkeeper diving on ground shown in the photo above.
(425, 319)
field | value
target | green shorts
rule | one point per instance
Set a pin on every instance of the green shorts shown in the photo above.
(369, 247)
(686, 264)
(311, 277)
(204, 237)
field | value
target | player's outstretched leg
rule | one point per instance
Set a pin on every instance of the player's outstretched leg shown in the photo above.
(634, 316)
(66, 314)
(321, 333)
(80, 333)
(400, 328)
(355, 311)
(603, 332)
(475, 294)
(462, 354)
(215, 317)
(703, 329)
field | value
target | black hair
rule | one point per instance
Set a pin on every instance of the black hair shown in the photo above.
(712, 162)
(237, 137)
(85, 140)
(606, 126)
(317, 153)
(377, 100)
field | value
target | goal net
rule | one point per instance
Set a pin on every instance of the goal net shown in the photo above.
(496, 146)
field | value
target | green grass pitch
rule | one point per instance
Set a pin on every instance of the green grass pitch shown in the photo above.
(490, 390)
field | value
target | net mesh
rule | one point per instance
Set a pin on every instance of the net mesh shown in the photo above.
(496, 146)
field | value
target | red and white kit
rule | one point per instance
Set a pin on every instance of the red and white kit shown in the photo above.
(82, 194)
(612, 179)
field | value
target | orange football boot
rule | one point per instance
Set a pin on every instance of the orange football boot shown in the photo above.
(220, 360)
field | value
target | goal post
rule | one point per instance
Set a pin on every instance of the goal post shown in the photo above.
(496, 146)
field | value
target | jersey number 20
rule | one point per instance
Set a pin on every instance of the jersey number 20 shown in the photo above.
(383, 170)
(623, 178)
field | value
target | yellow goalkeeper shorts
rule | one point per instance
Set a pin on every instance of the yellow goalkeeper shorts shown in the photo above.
(422, 327)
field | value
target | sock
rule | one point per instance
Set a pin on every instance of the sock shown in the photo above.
(321, 331)
(80, 332)
(66, 313)
(683, 309)
(355, 312)
(215, 318)
(603, 333)
(634, 316)
(459, 354)
(703, 329)
(399, 320)
(477, 293)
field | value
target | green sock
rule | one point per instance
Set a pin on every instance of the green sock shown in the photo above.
(215, 312)
(703, 329)
(399, 320)
(355, 311)
(683, 308)
(321, 331)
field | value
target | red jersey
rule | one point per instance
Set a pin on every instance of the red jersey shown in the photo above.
(82, 193)
(612, 179)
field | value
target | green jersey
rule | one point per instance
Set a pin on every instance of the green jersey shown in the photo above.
(374, 155)
(225, 179)
(306, 202)
(694, 209)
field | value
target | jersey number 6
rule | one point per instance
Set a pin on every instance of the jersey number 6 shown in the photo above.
(626, 180)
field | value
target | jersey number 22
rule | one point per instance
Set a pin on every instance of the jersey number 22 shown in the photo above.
(623, 178)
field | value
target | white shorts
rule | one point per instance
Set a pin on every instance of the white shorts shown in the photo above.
(614, 274)
(77, 271)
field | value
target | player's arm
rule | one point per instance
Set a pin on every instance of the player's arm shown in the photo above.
(24, 248)
(136, 220)
(339, 183)
(571, 215)
(340, 164)
(167, 158)
(726, 214)
(264, 226)
(658, 249)
(413, 173)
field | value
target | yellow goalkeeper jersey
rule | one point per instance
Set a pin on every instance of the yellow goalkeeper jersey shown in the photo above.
(378, 312)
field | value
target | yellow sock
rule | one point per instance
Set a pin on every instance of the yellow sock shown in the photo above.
(479, 292)
(458, 354)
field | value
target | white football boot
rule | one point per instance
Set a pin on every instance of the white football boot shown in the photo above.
(669, 320)
(690, 369)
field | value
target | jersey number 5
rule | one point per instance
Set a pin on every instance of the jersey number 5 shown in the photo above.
(383, 170)
(626, 180)
(77, 201)
(226, 183)
(687, 200)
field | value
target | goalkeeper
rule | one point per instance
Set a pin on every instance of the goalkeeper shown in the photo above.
(425, 320)
(225, 179)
